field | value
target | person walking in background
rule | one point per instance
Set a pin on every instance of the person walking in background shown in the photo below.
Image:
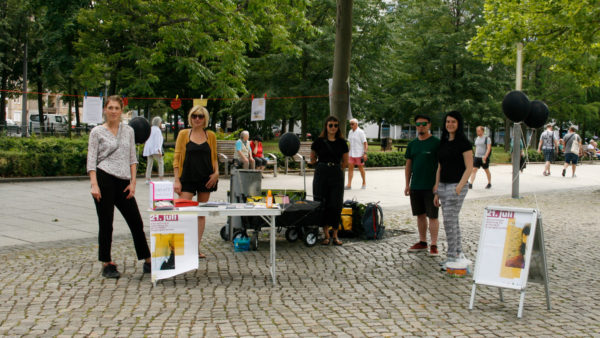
(111, 165)
(358, 153)
(483, 150)
(573, 149)
(153, 150)
(195, 164)
(421, 167)
(549, 145)
(260, 162)
(455, 157)
(242, 156)
(330, 154)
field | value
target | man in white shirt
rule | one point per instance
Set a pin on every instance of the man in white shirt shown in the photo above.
(358, 153)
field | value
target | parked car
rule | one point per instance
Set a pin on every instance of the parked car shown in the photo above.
(52, 122)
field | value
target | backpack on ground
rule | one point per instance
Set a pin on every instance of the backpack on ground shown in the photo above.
(351, 219)
(372, 222)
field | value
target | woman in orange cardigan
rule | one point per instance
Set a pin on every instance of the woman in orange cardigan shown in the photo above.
(195, 164)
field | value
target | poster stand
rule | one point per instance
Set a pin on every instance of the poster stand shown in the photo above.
(511, 252)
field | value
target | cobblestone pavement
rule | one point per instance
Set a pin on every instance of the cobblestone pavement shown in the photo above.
(359, 289)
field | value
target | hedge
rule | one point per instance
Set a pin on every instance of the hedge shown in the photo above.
(55, 156)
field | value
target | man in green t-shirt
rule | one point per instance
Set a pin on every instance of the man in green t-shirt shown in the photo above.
(421, 166)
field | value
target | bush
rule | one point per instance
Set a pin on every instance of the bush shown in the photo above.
(385, 159)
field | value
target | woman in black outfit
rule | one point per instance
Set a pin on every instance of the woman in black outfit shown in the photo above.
(330, 153)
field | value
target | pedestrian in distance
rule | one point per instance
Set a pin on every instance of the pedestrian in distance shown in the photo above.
(483, 150)
(112, 165)
(358, 153)
(455, 164)
(242, 157)
(195, 164)
(153, 150)
(548, 145)
(573, 149)
(329, 152)
(421, 167)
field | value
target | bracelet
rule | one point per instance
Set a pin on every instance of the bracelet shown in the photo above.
(435, 192)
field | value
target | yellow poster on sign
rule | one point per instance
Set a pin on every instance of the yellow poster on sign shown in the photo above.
(201, 102)
(513, 257)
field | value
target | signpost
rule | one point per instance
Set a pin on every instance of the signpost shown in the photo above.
(511, 252)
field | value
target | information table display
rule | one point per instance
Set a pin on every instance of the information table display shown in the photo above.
(174, 235)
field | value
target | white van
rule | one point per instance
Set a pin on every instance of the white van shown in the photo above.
(52, 122)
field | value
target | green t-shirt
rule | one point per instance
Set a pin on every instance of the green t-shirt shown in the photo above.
(424, 157)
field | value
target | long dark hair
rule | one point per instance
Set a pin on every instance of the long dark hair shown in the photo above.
(338, 134)
(460, 131)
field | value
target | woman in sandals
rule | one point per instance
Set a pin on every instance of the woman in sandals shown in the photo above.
(195, 164)
(112, 165)
(330, 153)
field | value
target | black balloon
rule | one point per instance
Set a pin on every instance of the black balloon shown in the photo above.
(515, 106)
(289, 144)
(538, 114)
(141, 129)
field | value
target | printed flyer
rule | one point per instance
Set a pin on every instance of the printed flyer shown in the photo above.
(501, 257)
(173, 243)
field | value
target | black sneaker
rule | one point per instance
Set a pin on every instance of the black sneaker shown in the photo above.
(564, 172)
(470, 185)
(110, 271)
(488, 186)
(147, 267)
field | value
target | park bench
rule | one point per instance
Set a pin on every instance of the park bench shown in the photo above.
(226, 149)
(302, 157)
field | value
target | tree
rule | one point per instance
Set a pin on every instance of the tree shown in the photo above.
(341, 62)
(563, 31)
(435, 71)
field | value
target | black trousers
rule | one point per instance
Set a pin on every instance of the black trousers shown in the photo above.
(328, 188)
(111, 189)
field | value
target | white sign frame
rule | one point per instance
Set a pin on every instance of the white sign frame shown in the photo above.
(491, 255)
(92, 109)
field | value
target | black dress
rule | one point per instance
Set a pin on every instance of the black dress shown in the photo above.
(197, 168)
(328, 182)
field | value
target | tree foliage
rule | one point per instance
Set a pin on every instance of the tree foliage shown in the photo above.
(563, 31)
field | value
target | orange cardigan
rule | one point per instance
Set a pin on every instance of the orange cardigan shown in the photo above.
(182, 140)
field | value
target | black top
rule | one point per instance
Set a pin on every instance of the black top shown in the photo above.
(197, 163)
(331, 154)
(450, 156)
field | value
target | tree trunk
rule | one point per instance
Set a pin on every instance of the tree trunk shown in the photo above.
(40, 99)
(3, 97)
(341, 62)
(304, 119)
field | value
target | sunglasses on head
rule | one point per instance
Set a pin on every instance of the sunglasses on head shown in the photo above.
(197, 116)
(418, 124)
(332, 125)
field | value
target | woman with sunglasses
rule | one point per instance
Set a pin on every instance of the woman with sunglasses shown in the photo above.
(330, 153)
(112, 165)
(195, 164)
(455, 158)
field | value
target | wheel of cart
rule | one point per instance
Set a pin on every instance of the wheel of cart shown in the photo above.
(311, 236)
(254, 241)
(292, 234)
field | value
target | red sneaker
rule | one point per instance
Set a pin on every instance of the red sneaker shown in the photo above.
(433, 251)
(420, 246)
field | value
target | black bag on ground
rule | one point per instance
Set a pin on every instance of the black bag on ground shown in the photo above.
(372, 222)
(351, 219)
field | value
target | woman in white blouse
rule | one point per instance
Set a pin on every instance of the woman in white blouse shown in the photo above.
(153, 150)
(111, 164)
